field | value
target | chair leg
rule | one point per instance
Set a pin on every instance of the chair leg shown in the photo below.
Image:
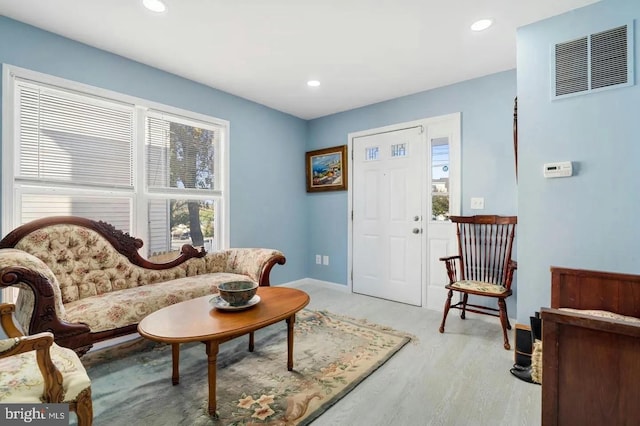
(465, 299)
(447, 305)
(504, 320)
(84, 408)
(506, 314)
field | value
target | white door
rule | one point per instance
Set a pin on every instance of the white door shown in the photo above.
(405, 183)
(387, 215)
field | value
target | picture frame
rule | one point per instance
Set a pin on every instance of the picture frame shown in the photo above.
(326, 169)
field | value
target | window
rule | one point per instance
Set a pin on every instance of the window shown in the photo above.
(399, 150)
(440, 193)
(154, 171)
(371, 153)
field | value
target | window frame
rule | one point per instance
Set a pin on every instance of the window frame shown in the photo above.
(140, 194)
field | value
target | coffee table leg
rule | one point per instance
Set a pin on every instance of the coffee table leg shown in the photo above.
(290, 322)
(212, 357)
(251, 342)
(175, 359)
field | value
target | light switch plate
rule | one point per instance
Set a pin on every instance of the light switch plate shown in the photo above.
(477, 203)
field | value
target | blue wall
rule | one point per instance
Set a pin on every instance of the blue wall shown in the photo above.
(488, 168)
(267, 193)
(588, 221)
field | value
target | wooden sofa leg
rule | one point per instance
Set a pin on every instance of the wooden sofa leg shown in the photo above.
(84, 408)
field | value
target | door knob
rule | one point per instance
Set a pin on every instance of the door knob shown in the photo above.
(416, 230)
(416, 218)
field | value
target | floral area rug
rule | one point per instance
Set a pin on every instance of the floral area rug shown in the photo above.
(131, 382)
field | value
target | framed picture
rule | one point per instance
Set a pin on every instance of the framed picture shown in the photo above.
(327, 169)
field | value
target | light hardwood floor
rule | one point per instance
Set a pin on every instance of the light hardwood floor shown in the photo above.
(460, 377)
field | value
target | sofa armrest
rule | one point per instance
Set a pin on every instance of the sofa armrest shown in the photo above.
(254, 262)
(39, 303)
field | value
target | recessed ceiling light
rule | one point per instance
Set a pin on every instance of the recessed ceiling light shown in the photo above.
(481, 25)
(313, 83)
(154, 5)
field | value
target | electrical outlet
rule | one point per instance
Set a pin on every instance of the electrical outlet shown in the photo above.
(477, 203)
(318, 259)
(325, 260)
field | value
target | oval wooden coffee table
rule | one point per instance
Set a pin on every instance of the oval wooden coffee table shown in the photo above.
(197, 320)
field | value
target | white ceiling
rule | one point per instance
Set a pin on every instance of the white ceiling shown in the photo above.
(362, 51)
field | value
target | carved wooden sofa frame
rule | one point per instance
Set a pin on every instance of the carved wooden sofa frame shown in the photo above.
(78, 335)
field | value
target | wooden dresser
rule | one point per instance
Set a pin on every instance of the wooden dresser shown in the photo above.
(591, 365)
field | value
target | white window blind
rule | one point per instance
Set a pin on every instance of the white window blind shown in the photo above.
(113, 210)
(64, 138)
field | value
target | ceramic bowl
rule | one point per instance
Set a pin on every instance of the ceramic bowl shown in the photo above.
(237, 293)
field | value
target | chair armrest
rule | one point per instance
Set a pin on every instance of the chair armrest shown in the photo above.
(448, 258)
(41, 343)
(254, 262)
(24, 344)
(6, 320)
(511, 268)
(452, 271)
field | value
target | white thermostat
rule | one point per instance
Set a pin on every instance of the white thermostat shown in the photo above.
(555, 170)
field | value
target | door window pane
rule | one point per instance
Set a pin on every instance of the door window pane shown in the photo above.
(399, 150)
(440, 195)
(371, 153)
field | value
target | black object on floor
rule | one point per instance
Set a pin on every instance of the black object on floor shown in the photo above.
(523, 374)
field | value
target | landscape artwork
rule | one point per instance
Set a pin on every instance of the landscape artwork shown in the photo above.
(326, 169)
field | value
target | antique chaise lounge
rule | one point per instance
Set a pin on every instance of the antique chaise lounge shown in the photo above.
(84, 281)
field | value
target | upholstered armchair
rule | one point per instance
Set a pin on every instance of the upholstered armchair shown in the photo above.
(33, 369)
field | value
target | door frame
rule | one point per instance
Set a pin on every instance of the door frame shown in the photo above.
(455, 184)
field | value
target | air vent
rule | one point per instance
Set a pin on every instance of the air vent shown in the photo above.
(609, 58)
(594, 62)
(572, 67)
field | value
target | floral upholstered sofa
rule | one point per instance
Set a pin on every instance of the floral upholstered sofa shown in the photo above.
(85, 281)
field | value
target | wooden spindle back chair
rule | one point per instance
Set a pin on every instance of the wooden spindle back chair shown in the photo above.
(483, 266)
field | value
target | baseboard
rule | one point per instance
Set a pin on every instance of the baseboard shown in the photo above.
(296, 283)
(319, 283)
